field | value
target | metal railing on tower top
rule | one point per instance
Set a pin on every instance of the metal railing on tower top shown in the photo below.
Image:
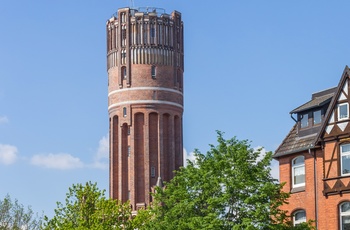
(145, 10)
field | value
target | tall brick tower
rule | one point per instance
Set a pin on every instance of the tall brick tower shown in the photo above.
(145, 63)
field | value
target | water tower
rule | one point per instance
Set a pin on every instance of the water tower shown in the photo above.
(145, 63)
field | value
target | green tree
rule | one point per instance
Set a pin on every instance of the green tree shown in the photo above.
(15, 217)
(230, 187)
(86, 207)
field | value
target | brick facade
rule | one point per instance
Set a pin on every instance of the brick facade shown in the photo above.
(145, 101)
(326, 172)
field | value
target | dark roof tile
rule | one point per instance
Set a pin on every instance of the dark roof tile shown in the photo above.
(316, 102)
(293, 143)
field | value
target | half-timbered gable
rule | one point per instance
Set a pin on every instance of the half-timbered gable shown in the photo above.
(337, 124)
(335, 140)
(314, 159)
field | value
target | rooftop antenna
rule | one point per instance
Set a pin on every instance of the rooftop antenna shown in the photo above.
(132, 4)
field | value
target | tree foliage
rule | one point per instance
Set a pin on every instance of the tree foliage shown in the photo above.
(86, 207)
(230, 187)
(14, 216)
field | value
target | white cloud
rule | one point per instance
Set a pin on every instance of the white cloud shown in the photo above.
(102, 154)
(3, 120)
(275, 171)
(188, 156)
(65, 161)
(8, 154)
(274, 164)
(103, 148)
(262, 152)
(57, 161)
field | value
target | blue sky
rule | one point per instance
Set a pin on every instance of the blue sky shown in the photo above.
(247, 65)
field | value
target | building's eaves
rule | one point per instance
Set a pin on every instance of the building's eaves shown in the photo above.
(316, 102)
(279, 154)
(293, 143)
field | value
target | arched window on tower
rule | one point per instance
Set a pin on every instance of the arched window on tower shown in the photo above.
(124, 112)
(153, 72)
(124, 75)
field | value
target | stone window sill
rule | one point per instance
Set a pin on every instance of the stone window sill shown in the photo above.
(298, 189)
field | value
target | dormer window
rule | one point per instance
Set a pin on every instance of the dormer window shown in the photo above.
(304, 121)
(317, 117)
(343, 111)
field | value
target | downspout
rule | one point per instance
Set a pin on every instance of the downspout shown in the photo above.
(296, 121)
(315, 187)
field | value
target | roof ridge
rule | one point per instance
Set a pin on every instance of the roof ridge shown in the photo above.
(321, 93)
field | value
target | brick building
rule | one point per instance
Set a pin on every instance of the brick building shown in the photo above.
(314, 159)
(145, 63)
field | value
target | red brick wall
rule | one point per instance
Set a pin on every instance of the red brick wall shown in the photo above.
(303, 199)
(327, 206)
(154, 107)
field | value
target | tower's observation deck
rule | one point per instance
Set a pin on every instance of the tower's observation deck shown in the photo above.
(145, 100)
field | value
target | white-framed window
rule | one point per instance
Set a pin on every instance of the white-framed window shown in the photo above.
(317, 117)
(344, 214)
(343, 111)
(345, 159)
(304, 122)
(299, 217)
(129, 151)
(298, 171)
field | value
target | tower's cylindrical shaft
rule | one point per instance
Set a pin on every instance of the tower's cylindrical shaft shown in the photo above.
(145, 63)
